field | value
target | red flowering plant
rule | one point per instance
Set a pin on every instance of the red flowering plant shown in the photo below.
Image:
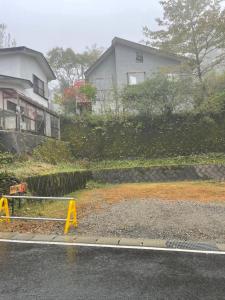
(79, 97)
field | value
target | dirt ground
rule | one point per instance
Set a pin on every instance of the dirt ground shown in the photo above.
(182, 210)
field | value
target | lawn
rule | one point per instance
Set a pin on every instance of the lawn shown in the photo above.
(30, 167)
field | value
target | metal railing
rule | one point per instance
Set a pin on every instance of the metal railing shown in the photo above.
(71, 219)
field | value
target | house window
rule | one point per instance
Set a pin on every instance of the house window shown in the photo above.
(39, 86)
(134, 78)
(139, 57)
(11, 106)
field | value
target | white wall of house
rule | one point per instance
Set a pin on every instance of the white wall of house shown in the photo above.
(48, 125)
(30, 67)
(14, 86)
(24, 66)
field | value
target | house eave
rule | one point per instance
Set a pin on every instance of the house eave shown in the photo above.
(15, 80)
(98, 61)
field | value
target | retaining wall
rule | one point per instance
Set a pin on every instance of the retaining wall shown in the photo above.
(160, 174)
(19, 142)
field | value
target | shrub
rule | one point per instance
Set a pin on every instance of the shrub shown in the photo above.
(6, 158)
(143, 137)
(53, 152)
(6, 180)
(158, 95)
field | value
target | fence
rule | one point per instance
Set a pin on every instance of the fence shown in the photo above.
(71, 219)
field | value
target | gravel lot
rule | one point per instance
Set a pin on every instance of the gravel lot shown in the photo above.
(158, 219)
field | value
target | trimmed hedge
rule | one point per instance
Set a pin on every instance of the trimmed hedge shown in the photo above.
(142, 137)
(58, 184)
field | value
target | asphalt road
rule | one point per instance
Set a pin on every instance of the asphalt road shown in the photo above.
(68, 272)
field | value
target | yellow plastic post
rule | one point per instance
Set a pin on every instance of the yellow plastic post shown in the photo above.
(4, 206)
(71, 216)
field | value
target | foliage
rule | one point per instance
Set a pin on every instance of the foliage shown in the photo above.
(6, 158)
(143, 137)
(210, 158)
(80, 94)
(53, 152)
(6, 40)
(70, 66)
(89, 91)
(158, 95)
(195, 28)
(6, 180)
(215, 88)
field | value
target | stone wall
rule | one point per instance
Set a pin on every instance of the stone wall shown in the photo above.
(160, 174)
(19, 142)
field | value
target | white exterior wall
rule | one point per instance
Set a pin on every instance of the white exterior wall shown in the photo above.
(30, 67)
(48, 124)
(24, 66)
(1, 101)
(10, 65)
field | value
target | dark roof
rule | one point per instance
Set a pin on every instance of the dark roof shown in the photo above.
(28, 51)
(10, 78)
(137, 46)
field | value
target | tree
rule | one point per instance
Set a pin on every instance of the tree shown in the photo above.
(70, 66)
(65, 64)
(6, 40)
(159, 95)
(77, 98)
(195, 28)
(88, 57)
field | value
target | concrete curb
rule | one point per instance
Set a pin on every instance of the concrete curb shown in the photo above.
(114, 241)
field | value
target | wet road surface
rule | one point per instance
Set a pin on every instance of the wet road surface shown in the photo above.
(67, 272)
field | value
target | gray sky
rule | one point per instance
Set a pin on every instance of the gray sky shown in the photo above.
(44, 24)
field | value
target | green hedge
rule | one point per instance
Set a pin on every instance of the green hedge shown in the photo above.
(139, 137)
(58, 184)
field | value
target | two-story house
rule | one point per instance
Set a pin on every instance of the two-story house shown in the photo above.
(126, 63)
(24, 95)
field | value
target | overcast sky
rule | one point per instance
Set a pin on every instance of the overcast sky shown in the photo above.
(44, 24)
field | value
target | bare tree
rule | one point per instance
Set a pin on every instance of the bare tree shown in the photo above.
(6, 40)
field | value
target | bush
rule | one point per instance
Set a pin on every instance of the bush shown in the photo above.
(53, 152)
(6, 158)
(143, 137)
(158, 95)
(6, 180)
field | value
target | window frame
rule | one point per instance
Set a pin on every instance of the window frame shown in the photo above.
(36, 88)
(139, 57)
(134, 73)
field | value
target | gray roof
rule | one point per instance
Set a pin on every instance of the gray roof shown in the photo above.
(38, 55)
(141, 47)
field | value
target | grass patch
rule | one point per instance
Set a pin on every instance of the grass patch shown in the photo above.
(30, 167)
(212, 158)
